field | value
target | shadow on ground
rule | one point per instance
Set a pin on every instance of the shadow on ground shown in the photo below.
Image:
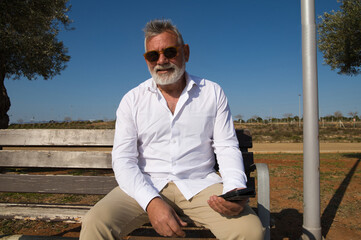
(287, 225)
(330, 211)
(288, 222)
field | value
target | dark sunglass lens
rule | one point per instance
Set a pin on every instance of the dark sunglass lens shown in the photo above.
(170, 52)
(152, 56)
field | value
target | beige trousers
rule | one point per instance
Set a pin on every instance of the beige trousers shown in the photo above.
(117, 214)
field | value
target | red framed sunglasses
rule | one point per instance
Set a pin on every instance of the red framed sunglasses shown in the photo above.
(169, 52)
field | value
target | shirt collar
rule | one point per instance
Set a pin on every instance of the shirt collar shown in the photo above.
(152, 86)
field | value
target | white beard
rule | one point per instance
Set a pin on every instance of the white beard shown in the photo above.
(168, 78)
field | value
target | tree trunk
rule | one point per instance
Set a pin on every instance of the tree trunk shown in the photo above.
(4, 103)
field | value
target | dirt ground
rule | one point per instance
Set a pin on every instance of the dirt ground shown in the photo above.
(340, 175)
(325, 147)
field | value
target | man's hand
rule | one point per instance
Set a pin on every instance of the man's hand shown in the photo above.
(226, 208)
(164, 219)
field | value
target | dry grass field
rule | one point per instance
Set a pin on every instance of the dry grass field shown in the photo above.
(292, 133)
(262, 133)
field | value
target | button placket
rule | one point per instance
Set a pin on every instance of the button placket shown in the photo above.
(173, 144)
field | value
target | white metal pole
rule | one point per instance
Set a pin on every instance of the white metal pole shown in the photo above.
(299, 110)
(311, 155)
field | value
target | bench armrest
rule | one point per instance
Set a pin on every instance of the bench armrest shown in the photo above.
(263, 197)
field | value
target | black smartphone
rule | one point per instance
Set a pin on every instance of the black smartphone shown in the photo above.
(238, 195)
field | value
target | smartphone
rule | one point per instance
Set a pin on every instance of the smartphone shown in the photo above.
(238, 195)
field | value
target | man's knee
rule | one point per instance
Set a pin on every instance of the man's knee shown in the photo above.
(91, 218)
(97, 224)
(246, 227)
(255, 232)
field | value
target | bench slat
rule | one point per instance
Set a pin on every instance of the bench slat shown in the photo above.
(56, 137)
(55, 159)
(57, 184)
(70, 159)
(248, 161)
(244, 138)
(45, 212)
(78, 137)
(148, 232)
(97, 185)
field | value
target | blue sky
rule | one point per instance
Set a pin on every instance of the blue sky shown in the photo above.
(251, 48)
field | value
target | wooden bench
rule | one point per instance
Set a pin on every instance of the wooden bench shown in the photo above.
(85, 149)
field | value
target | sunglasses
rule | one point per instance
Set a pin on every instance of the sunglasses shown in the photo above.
(169, 52)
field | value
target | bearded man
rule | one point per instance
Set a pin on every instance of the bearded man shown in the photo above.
(167, 131)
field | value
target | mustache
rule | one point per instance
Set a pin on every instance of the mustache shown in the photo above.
(165, 66)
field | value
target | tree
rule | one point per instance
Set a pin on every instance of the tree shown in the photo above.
(353, 114)
(340, 38)
(338, 115)
(28, 43)
(287, 116)
(254, 118)
(269, 119)
(239, 117)
(67, 119)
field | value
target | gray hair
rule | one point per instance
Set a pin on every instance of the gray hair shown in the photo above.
(158, 26)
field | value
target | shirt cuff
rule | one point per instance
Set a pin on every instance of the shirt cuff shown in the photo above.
(230, 184)
(144, 197)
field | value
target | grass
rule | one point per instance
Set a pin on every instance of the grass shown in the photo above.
(287, 132)
(50, 198)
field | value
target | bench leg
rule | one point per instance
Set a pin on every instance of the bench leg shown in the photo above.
(263, 197)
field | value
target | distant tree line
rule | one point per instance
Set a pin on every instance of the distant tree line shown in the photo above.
(338, 116)
(289, 118)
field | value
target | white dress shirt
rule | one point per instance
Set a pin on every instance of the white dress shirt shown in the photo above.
(152, 146)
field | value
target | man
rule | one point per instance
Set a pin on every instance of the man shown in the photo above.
(167, 131)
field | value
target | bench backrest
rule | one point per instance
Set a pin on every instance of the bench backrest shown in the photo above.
(69, 149)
